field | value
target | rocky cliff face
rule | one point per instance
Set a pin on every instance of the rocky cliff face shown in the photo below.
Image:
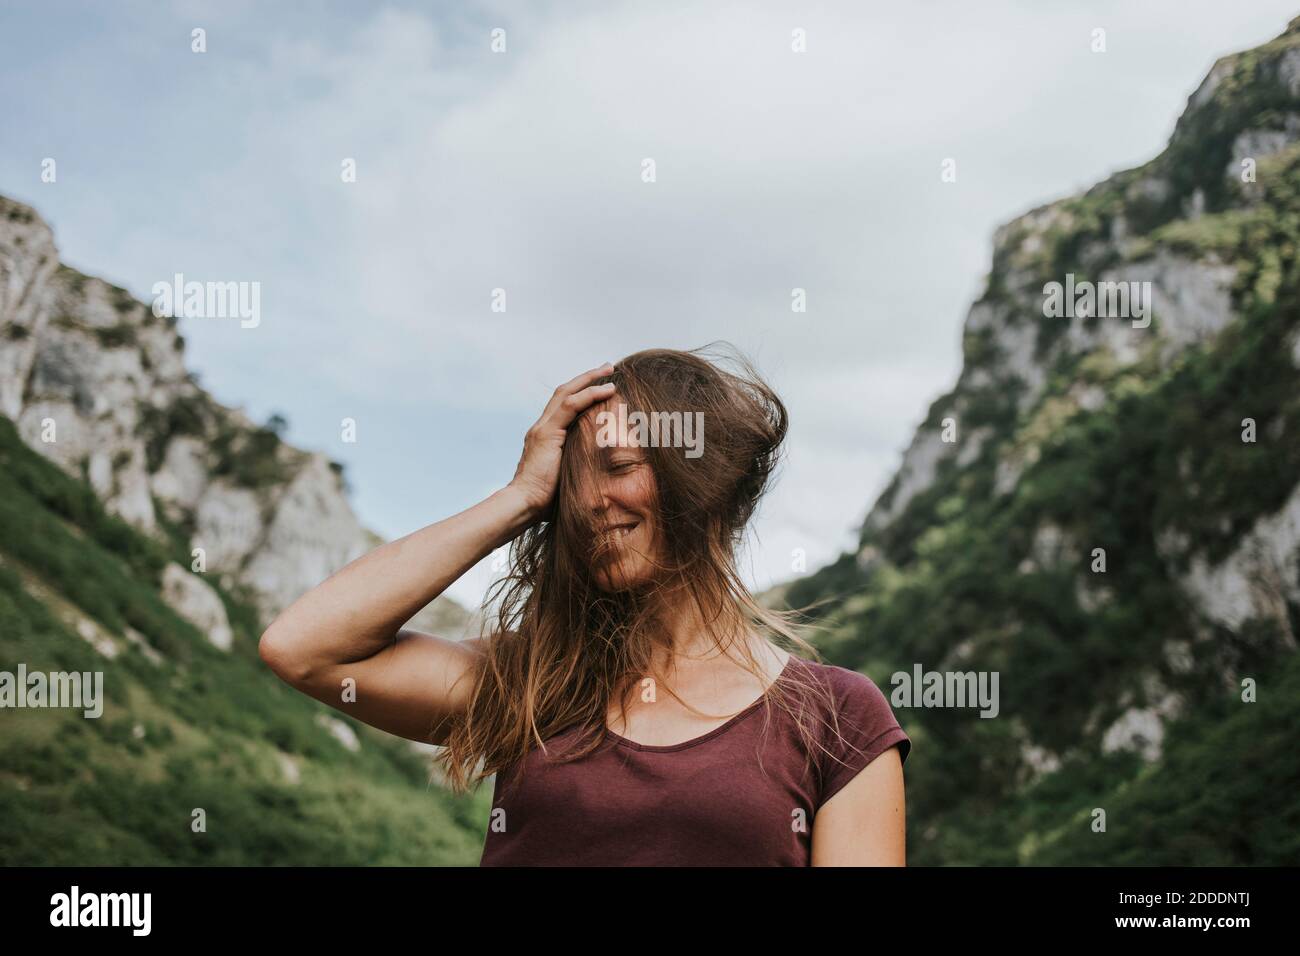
(1106, 506)
(1189, 227)
(97, 383)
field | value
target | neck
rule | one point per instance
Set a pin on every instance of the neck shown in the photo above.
(690, 637)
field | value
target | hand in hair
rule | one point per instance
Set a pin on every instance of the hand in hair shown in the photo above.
(539, 465)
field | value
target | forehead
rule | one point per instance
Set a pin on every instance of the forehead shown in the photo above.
(604, 426)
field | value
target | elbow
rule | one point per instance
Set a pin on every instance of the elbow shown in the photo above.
(277, 655)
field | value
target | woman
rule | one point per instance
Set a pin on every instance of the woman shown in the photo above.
(617, 696)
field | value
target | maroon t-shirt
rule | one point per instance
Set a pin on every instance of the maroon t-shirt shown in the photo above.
(708, 801)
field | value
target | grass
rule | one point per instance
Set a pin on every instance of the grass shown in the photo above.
(203, 735)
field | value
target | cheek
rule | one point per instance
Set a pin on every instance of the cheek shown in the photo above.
(634, 491)
(644, 490)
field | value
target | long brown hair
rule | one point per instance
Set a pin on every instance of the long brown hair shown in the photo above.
(560, 648)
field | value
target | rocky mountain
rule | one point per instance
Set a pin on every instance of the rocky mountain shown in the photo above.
(147, 534)
(1105, 510)
(97, 383)
(192, 751)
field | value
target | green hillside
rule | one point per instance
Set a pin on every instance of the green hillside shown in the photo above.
(185, 725)
(980, 573)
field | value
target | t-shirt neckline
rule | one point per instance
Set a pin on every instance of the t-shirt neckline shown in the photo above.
(709, 735)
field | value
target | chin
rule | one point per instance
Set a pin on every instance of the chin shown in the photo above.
(613, 579)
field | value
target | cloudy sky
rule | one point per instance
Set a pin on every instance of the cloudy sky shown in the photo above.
(522, 170)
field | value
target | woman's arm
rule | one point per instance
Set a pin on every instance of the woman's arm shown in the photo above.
(350, 626)
(865, 823)
(405, 682)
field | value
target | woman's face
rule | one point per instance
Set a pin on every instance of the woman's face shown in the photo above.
(622, 498)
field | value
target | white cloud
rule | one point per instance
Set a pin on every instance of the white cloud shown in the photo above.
(522, 170)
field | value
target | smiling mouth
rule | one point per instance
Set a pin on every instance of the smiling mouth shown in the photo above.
(622, 530)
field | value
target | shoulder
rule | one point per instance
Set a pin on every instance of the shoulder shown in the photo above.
(852, 706)
(845, 687)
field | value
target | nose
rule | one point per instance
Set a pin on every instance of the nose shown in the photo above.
(593, 495)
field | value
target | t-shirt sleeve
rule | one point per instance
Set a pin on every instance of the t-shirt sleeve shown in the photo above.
(866, 728)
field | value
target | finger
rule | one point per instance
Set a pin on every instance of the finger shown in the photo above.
(574, 384)
(571, 406)
(579, 381)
